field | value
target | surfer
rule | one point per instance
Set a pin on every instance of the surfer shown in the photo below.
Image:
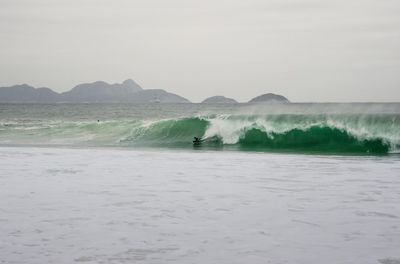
(196, 140)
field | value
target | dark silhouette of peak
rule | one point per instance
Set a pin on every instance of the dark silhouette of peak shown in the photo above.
(20, 87)
(219, 100)
(129, 83)
(26, 93)
(269, 97)
(98, 92)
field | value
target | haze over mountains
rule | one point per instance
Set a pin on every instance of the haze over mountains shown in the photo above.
(101, 92)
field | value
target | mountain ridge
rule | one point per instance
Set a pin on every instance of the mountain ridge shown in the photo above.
(102, 92)
(95, 92)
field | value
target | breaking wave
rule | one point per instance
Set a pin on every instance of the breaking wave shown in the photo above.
(358, 134)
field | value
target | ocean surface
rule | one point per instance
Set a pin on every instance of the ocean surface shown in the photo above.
(279, 183)
(298, 128)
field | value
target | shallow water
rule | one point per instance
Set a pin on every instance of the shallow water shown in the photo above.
(105, 205)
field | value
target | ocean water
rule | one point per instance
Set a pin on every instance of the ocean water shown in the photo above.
(293, 183)
(296, 128)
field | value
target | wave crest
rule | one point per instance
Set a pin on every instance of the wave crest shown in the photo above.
(300, 133)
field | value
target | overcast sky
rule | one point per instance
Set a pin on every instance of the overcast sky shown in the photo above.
(307, 50)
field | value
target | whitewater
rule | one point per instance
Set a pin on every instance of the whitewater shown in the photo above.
(291, 183)
(300, 128)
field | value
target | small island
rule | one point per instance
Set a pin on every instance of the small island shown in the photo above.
(219, 100)
(269, 98)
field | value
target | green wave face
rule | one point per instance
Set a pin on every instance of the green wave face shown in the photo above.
(315, 139)
(167, 133)
(358, 134)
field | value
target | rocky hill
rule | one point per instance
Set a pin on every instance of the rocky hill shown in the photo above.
(269, 97)
(219, 100)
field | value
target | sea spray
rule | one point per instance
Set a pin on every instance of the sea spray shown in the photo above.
(323, 133)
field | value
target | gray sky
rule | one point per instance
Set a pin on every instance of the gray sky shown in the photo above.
(307, 50)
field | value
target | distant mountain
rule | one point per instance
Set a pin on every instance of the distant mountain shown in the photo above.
(269, 97)
(156, 96)
(26, 93)
(101, 92)
(219, 100)
(97, 92)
